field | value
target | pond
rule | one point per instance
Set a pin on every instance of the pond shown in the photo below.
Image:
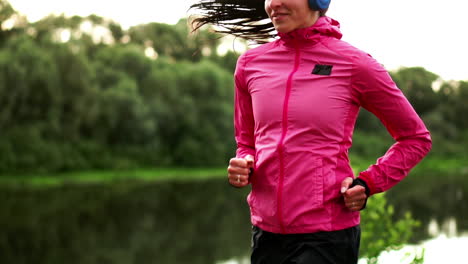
(124, 222)
(172, 222)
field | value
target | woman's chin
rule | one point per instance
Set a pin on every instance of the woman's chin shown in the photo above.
(283, 30)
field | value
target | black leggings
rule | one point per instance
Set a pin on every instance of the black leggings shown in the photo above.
(336, 247)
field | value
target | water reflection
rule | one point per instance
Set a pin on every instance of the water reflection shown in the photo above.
(448, 227)
(173, 222)
(193, 222)
(441, 249)
(435, 199)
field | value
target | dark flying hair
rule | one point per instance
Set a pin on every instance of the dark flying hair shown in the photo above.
(242, 18)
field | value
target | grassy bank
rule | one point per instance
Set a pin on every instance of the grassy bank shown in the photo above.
(102, 176)
(455, 167)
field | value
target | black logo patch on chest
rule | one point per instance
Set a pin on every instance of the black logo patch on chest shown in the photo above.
(321, 69)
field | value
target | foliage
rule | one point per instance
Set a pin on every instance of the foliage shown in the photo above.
(416, 83)
(6, 11)
(419, 257)
(380, 231)
(175, 41)
(82, 93)
(86, 103)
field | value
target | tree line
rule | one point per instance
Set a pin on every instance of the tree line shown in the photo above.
(80, 93)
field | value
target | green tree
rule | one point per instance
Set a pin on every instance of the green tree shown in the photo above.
(175, 41)
(208, 97)
(416, 84)
(193, 102)
(380, 232)
(453, 97)
(227, 61)
(6, 12)
(79, 87)
(29, 87)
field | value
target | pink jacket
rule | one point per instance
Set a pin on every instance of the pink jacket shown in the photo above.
(297, 100)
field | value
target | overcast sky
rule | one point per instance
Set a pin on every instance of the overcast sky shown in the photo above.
(428, 33)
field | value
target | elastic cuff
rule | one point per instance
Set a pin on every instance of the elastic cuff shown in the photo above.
(368, 181)
(362, 183)
(359, 181)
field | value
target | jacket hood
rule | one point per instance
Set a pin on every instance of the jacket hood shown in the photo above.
(325, 26)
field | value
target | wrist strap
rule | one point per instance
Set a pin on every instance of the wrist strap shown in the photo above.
(358, 181)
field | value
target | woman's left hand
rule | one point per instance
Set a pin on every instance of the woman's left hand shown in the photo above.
(354, 197)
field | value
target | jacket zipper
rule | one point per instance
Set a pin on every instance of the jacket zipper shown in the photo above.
(281, 142)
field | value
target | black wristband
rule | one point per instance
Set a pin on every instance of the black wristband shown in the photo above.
(359, 181)
(362, 183)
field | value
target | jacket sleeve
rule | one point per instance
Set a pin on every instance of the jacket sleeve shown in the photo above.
(379, 95)
(243, 113)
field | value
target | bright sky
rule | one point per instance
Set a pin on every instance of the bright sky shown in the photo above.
(428, 33)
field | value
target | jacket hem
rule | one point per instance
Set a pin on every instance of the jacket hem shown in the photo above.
(314, 228)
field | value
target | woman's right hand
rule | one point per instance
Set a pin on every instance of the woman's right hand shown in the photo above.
(239, 170)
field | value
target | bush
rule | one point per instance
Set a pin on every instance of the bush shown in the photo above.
(380, 232)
